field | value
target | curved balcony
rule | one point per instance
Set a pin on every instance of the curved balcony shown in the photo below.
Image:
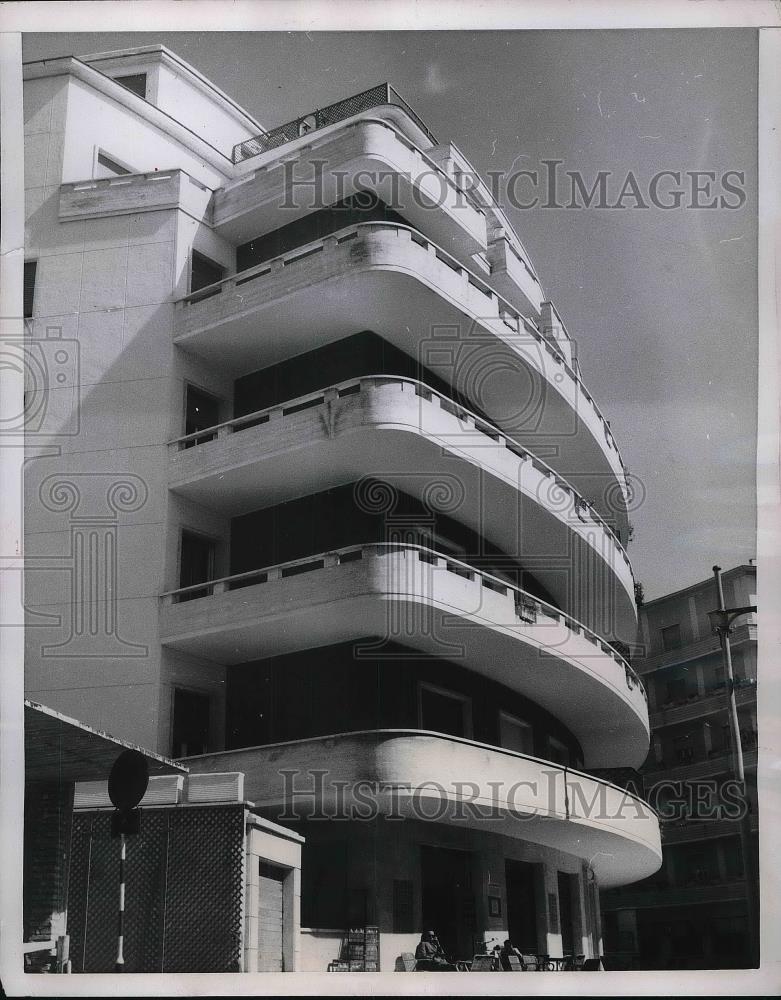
(388, 278)
(425, 775)
(388, 426)
(367, 153)
(435, 605)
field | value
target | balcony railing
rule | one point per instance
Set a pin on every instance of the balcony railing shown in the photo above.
(374, 97)
(527, 606)
(361, 383)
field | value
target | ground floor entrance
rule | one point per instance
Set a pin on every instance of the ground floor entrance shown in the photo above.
(447, 899)
(520, 881)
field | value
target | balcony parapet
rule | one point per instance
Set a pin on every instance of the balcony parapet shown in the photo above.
(690, 831)
(468, 422)
(528, 609)
(131, 193)
(237, 295)
(704, 704)
(445, 779)
(695, 650)
(716, 763)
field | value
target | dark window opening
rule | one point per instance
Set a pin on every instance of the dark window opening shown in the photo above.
(671, 638)
(363, 206)
(324, 898)
(30, 268)
(112, 165)
(191, 723)
(135, 82)
(442, 712)
(202, 411)
(558, 752)
(196, 565)
(403, 912)
(520, 878)
(204, 272)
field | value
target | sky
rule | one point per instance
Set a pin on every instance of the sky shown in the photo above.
(661, 303)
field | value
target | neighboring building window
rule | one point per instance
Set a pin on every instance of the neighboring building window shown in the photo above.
(204, 272)
(30, 267)
(201, 412)
(135, 82)
(191, 723)
(196, 563)
(444, 711)
(684, 751)
(111, 165)
(671, 638)
(515, 734)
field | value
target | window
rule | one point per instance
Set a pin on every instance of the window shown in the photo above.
(109, 167)
(135, 82)
(204, 272)
(30, 268)
(515, 734)
(671, 638)
(201, 412)
(196, 563)
(444, 711)
(191, 723)
(558, 752)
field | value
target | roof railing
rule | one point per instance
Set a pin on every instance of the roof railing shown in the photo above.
(374, 97)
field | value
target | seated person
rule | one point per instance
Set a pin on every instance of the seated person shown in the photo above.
(430, 956)
(508, 949)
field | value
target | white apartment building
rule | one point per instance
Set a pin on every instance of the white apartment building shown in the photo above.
(316, 492)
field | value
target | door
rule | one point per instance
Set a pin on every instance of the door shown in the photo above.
(448, 900)
(271, 914)
(196, 565)
(521, 905)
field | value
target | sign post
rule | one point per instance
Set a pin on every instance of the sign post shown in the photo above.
(127, 785)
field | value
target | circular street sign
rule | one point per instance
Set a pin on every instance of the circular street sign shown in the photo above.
(128, 779)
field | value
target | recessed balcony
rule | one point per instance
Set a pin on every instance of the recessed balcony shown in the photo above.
(419, 774)
(389, 278)
(436, 605)
(366, 154)
(396, 428)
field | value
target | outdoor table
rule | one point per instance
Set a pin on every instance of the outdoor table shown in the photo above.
(554, 963)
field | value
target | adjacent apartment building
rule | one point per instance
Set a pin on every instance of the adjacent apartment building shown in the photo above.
(693, 912)
(317, 493)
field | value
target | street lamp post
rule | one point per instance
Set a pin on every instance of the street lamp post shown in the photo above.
(721, 622)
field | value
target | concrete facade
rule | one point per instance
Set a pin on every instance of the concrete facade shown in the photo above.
(132, 493)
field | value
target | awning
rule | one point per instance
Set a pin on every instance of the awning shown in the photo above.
(57, 748)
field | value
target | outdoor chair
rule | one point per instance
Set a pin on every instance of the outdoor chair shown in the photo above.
(405, 962)
(530, 963)
(515, 964)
